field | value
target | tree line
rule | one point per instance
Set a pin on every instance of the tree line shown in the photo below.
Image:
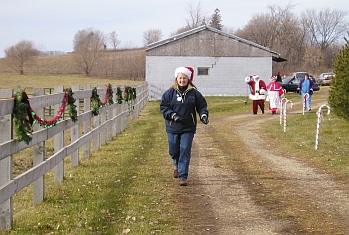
(309, 41)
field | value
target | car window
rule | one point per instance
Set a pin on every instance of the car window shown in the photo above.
(299, 74)
(324, 75)
(296, 81)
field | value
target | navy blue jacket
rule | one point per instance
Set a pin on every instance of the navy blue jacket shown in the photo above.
(185, 104)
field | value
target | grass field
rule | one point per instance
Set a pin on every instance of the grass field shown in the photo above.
(126, 186)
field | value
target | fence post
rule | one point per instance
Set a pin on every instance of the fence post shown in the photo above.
(96, 123)
(111, 115)
(39, 155)
(74, 132)
(6, 208)
(125, 118)
(87, 124)
(58, 143)
(145, 95)
(134, 104)
(103, 117)
(118, 121)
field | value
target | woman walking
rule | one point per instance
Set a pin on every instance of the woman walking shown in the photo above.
(306, 87)
(179, 105)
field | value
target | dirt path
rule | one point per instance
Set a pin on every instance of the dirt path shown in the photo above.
(218, 201)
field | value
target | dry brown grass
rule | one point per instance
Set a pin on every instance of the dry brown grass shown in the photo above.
(122, 64)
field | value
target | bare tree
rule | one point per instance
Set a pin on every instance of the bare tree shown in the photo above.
(113, 38)
(279, 30)
(88, 48)
(259, 29)
(324, 27)
(151, 35)
(313, 58)
(196, 17)
(22, 54)
(90, 39)
(329, 55)
(296, 38)
(288, 39)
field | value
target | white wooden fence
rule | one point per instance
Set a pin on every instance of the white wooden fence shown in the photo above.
(112, 119)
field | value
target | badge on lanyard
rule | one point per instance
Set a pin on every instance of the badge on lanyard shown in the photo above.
(179, 98)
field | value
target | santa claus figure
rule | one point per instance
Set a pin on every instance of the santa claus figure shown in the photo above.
(257, 92)
(274, 92)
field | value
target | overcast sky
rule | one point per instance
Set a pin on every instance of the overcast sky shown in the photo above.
(52, 24)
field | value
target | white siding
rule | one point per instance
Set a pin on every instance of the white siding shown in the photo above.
(226, 78)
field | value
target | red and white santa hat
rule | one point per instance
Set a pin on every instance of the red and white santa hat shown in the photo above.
(187, 70)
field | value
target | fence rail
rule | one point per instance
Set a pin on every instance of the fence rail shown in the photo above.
(112, 119)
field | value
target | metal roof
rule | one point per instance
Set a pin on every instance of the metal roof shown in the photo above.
(276, 56)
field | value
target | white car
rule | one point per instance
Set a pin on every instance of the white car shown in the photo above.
(325, 78)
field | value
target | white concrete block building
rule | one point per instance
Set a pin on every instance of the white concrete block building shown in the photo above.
(221, 62)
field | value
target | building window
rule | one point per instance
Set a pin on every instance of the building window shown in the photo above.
(203, 71)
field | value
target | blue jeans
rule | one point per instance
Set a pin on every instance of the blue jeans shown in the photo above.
(180, 152)
(307, 101)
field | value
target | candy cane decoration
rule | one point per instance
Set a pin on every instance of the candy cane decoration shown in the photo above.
(282, 104)
(287, 101)
(306, 95)
(319, 116)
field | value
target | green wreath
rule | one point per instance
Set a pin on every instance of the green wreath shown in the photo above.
(22, 123)
(130, 93)
(95, 102)
(73, 113)
(119, 95)
(110, 96)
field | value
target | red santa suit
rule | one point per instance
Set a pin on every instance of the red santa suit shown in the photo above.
(257, 92)
(274, 92)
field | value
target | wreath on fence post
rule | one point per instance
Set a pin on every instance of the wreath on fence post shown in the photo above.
(24, 116)
(130, 93)
(110, 96)
(22, 121)
(96, 102)
(119, 95)
(73, 113)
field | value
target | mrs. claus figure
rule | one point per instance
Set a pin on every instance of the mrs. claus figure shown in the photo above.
(257, 92)
(274, 93)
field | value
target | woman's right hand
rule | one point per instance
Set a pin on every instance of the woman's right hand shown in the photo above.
(177, 118)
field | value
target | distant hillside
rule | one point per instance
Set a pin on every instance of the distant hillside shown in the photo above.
(121, 64)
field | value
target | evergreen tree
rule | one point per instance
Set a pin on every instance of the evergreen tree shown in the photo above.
(339, 92)
(216, 20)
